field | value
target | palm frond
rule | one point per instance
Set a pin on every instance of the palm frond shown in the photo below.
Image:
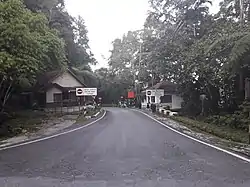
(240, 49)
(226, 39)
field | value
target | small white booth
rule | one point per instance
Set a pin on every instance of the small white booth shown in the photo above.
(163, 94)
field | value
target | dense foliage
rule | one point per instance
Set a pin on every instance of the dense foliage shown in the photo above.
(38, 36)
(204, 54)
(182, 42)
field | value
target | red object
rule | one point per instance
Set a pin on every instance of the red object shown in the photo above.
(131, 95)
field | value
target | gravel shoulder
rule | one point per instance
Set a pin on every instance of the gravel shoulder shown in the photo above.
(240, 148)
(50, 127)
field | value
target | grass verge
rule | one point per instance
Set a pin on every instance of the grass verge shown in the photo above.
(220, 131)
(82, 118)
(24, 121)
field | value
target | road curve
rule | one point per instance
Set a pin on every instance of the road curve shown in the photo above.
(124, 149)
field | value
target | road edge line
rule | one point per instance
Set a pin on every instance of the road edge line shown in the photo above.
(195, 139)
(53, 136)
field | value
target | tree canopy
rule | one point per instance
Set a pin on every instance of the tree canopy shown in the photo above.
(37, 36)
(184, 43)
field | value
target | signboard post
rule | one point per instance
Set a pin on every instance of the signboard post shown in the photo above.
(86, 92)
(155, 94)
(79, 92)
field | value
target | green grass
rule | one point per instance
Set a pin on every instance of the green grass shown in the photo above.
(81, 119)
(220, 131)
(92, 112)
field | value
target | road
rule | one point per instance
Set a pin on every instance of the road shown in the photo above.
(124, 149)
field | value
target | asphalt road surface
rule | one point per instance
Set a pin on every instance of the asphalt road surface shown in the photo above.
(124, 149)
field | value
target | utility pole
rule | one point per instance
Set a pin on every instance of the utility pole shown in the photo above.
(241, 12)
(194, 30)
(140, 57)
(152, 79)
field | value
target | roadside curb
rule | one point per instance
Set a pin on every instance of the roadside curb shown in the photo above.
(244, 158)
(42, 138)
(95, 115)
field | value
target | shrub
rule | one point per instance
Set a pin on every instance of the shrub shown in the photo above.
(238, 120)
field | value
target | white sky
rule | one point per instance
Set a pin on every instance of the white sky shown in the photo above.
(107, 20)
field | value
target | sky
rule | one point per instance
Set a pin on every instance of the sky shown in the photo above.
(107, 20)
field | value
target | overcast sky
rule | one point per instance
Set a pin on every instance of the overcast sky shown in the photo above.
(110, 19)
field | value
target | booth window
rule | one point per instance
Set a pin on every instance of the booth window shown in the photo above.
(166, 99)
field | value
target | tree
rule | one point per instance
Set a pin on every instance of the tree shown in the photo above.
(125, 52)
(46, 6)
(28, 46)
(72, 30)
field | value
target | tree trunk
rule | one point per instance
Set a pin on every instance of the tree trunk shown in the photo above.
(241, 12)
(6, 95)
(1, 83)
(241, 86)
(247, 98)
(247, 89)
(248, 13)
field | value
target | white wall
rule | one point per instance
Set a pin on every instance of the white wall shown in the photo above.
(50, 94)
(67, 80)
(157, 93)
(157, 99)
(176, 102)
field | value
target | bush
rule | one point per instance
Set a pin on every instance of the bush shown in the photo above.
(227, 132)
(4, 116)
(238, 120)
(19, 122)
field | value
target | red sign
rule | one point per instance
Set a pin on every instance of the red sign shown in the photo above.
(131, 95)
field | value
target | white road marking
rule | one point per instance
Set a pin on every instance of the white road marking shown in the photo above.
(53, 136)
(197, 140)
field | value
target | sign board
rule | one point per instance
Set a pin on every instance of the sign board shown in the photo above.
(149, 92)
(156, 92)
(86, 91)
(79, 92)
(131, 95)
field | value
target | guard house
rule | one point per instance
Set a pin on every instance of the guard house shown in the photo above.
(58, 88)
(164, 94)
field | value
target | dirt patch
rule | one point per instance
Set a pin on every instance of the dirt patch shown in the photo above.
(48, 127)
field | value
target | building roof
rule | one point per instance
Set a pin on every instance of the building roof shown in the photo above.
(54, 85)
(167, 86)
(45, 80)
